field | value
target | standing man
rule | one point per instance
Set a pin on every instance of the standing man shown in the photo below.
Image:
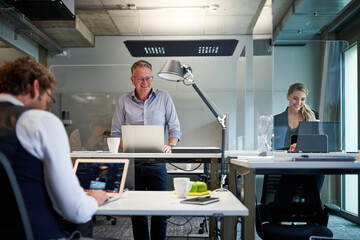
(147, 106)
(37, 146)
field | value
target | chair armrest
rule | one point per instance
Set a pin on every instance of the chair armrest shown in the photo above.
(332, 208)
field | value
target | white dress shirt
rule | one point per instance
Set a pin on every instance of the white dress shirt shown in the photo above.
(43, 135)
(158, 109)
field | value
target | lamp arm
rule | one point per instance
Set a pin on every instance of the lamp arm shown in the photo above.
(222, 166)
(218, 117)
(222, 122)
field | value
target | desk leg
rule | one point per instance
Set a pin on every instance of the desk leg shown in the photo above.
(214, 173)
(232, 180)
(248, 199)
(229, 228)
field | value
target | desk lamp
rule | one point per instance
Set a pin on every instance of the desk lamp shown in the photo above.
(174, 71)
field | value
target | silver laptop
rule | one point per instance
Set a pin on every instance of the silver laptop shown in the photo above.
(143, 138)
(105, 174)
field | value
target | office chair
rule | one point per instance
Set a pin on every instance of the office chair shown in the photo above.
(290, 208)
(14, 222)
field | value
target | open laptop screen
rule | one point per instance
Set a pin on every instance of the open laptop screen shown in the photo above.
(107, 175)
(143, 138)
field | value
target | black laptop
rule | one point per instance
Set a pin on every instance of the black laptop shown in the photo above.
(311, 143)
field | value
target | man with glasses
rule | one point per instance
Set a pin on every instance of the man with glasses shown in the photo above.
(37, 146)
(147, 106)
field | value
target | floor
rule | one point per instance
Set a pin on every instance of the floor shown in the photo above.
(183, 228)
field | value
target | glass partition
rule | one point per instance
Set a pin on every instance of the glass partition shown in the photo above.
(318, 65)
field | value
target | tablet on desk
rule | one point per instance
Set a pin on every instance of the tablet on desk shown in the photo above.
(201, 200)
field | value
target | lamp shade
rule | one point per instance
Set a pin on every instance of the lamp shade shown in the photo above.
(172, 71)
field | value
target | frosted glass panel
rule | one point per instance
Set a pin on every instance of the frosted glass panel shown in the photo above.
(91, 115)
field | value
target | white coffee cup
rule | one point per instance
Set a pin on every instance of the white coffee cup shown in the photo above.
(113, 144)
(182, 186)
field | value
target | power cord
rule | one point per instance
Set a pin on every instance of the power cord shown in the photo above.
(203, 226)
(75, 235)
(190, 170)
(188, 220)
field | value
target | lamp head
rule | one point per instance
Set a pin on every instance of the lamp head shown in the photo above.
(174, 71)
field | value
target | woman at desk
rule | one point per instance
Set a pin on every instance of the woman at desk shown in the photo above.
(286, 124)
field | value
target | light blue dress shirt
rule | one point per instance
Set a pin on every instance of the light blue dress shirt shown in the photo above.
(158, 109)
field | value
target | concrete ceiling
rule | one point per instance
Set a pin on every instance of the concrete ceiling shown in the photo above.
(231, 17)
(155, 18)
(282, 19)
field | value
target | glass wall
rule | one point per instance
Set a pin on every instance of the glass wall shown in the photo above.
(318, 65)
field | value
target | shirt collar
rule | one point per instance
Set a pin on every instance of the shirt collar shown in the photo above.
(4, 97)
(152, 94)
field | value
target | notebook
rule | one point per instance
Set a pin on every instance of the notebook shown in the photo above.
(143, 138)
(105, 174)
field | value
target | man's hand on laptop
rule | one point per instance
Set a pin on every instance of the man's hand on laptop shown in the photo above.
(171, 143)
(292, 148)
(167, 149)
(99, 195)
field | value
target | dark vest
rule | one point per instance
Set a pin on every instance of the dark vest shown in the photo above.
(45, 222)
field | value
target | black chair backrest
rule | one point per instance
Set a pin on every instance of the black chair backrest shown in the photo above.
(291, 198)
(14, 221)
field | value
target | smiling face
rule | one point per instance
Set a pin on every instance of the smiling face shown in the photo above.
(296, 100)
(142, 80)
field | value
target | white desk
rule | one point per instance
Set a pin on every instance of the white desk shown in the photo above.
(277, 164)
(173, 156)
(165, 203)
(213, 158)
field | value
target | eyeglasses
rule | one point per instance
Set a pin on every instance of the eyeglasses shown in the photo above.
(146, 79)
(52, 99)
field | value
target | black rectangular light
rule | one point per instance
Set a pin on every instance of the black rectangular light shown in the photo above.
(181, 48)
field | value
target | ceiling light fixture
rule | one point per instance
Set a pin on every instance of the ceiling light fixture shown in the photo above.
(181, 48)
(212, 7)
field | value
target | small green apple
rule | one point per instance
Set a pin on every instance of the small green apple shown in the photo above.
(194, 187)
(201, 186)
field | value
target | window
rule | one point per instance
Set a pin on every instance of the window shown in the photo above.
(350, 191)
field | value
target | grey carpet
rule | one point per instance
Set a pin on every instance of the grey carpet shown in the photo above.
(177, 227)
(181, 227)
